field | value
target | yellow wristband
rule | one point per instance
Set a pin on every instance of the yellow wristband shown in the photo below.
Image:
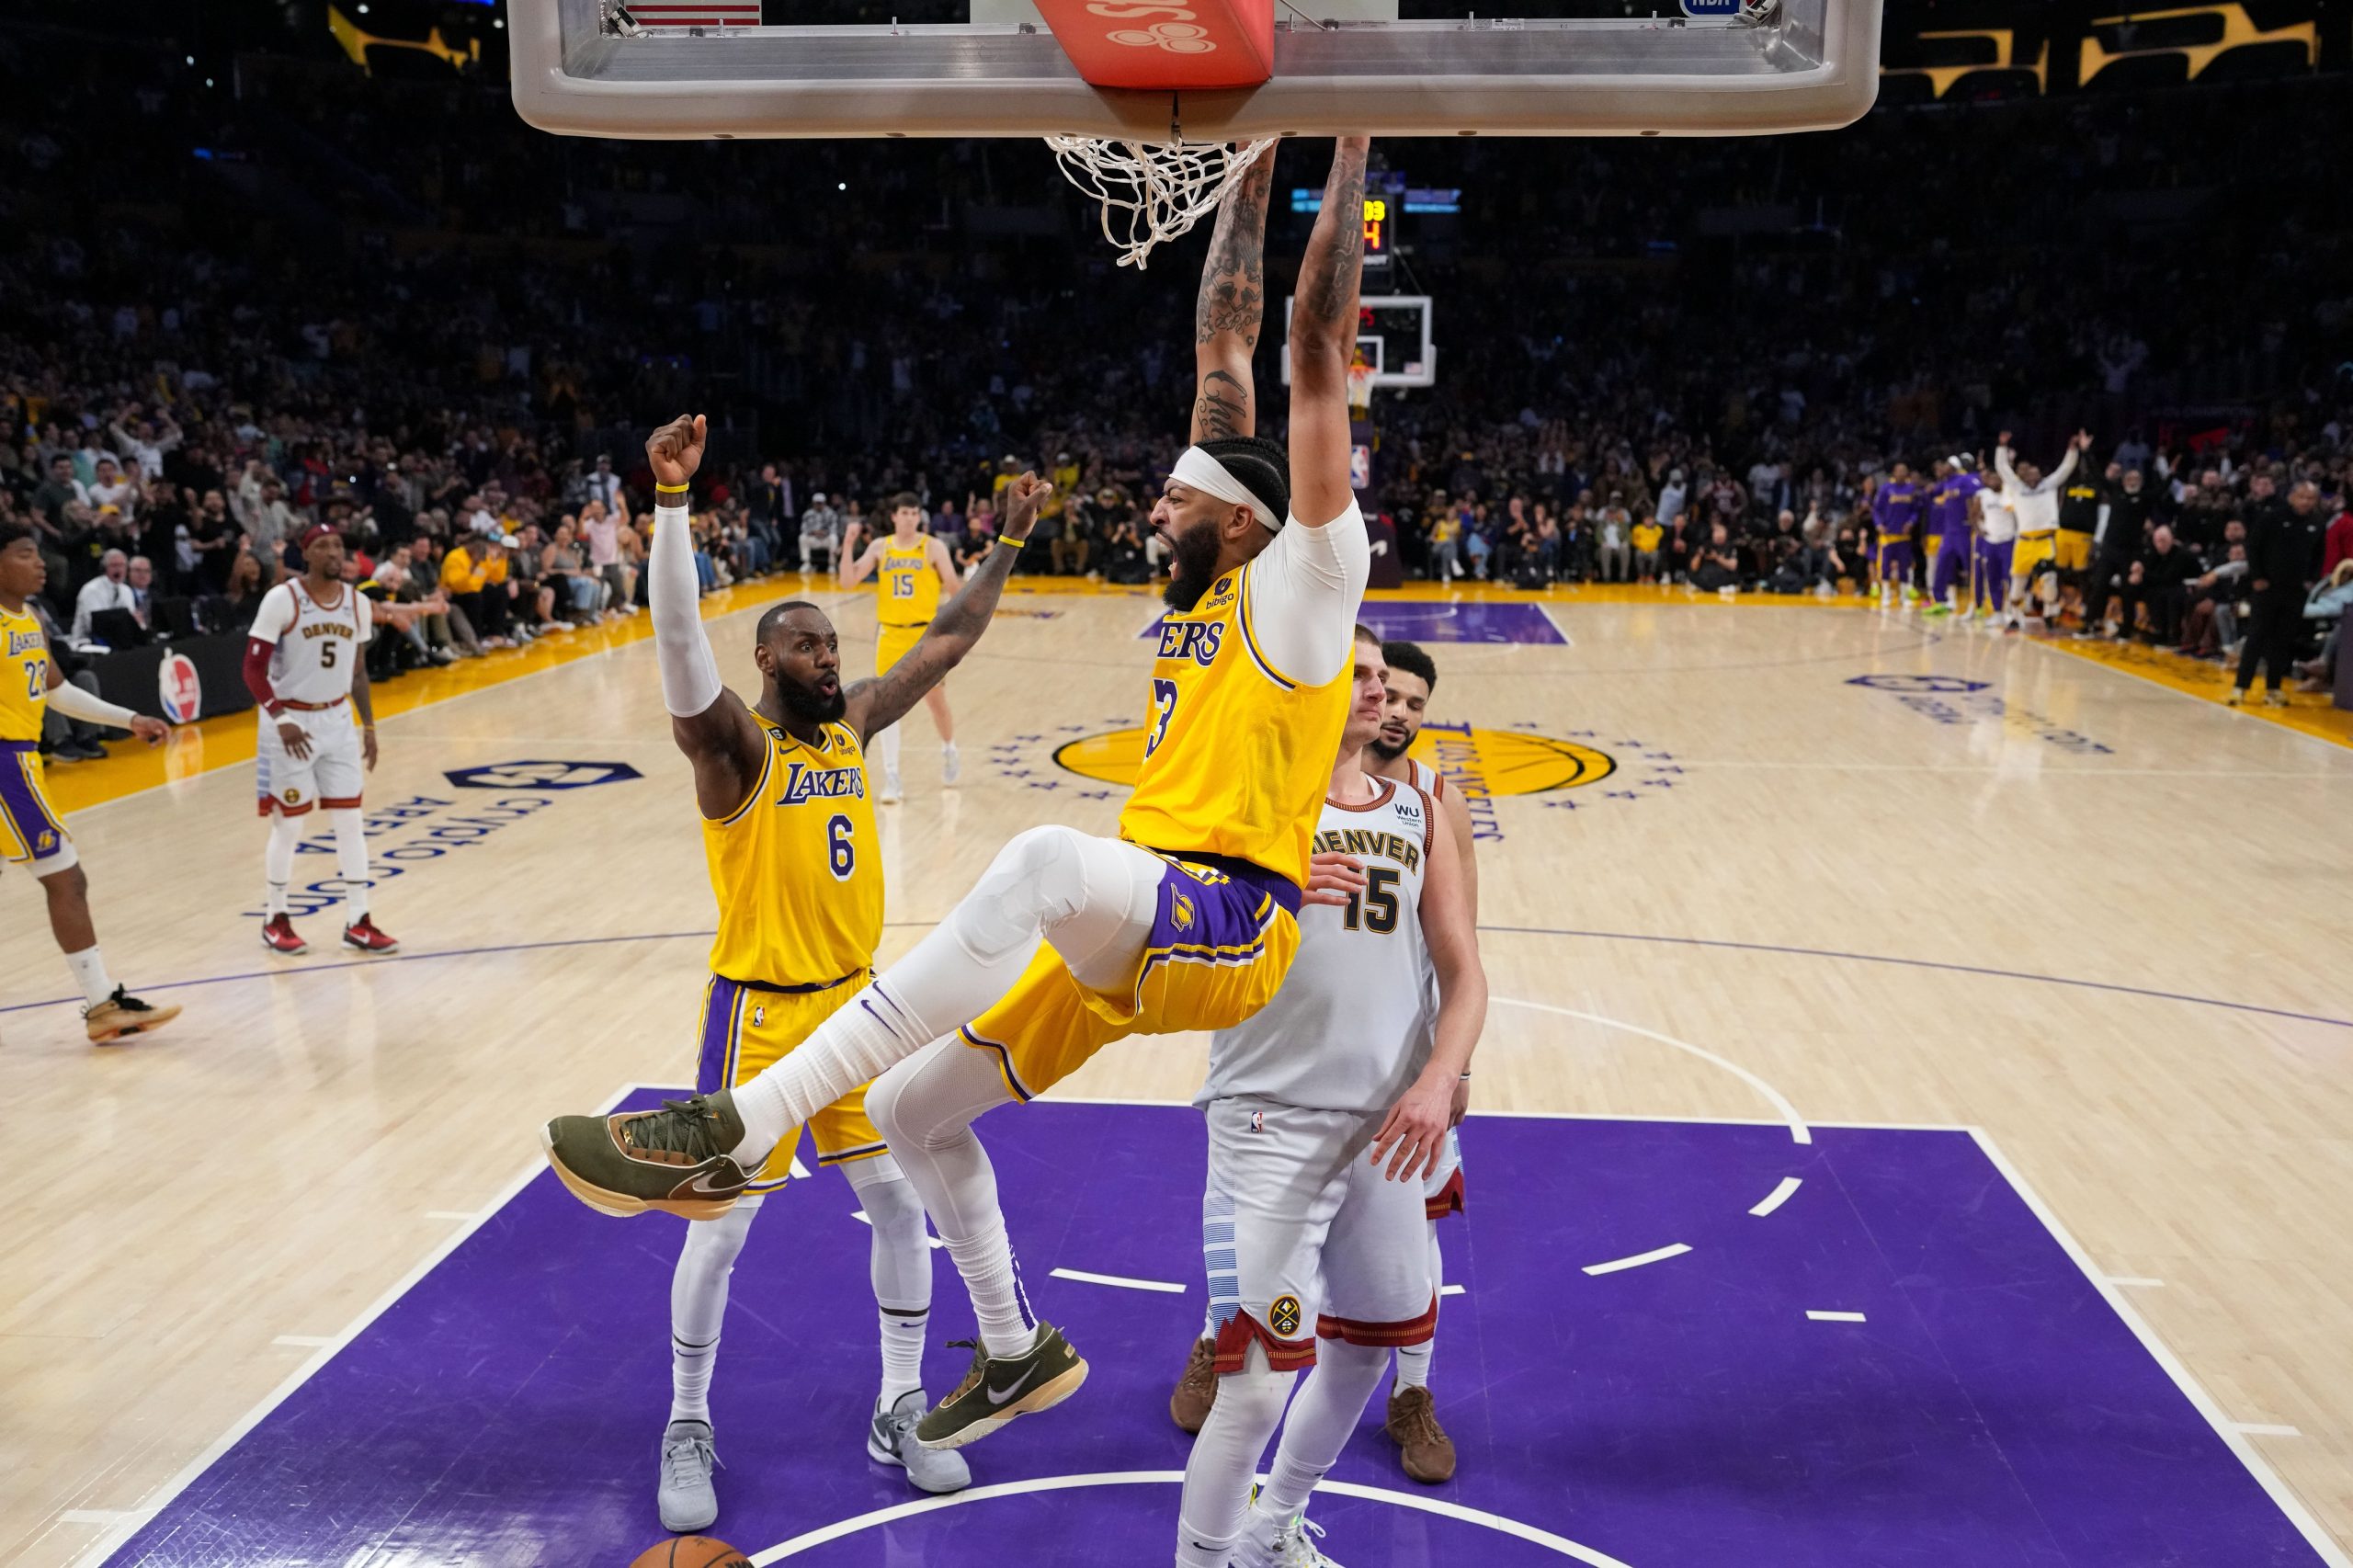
(670, 489)
(1011, 543)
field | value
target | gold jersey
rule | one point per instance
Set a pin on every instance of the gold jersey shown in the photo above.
(797, 869)
(1236, 753)
(24, 677)
(909, 587)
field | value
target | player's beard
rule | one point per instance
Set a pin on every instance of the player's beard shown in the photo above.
(1192, 566)
(810, 705)
(1381, 748)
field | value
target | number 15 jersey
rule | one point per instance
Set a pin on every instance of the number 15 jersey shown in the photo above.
(1353, 1025)
(797, 869)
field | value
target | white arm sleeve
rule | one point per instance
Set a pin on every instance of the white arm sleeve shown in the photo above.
(75, 703)
(2059, 475)
(690, 673)
(1304, 592)
(277, 613)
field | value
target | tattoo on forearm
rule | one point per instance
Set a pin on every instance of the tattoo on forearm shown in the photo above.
(1234, 284)
(1224, 405)
(1329, 280)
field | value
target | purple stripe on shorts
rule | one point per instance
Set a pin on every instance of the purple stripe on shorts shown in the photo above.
(712, 1063)
(28, 813)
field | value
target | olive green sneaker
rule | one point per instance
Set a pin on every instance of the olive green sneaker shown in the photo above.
(999, 1388)
(674, 1159)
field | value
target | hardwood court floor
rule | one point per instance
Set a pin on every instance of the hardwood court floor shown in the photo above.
(1774, 861)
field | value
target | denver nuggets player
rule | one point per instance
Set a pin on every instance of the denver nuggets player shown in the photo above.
(1424, 1451)
(788, 834)
(913, 567)
(32, 833)
(306, 665)
(1186, 921)
(1363, 1051)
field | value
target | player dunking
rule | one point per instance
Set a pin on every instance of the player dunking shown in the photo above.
(1424, 1449)
(787, 831)
(1186, 921)
(913, 568)
(305, 658)
(1324, 1110)
(32, 833)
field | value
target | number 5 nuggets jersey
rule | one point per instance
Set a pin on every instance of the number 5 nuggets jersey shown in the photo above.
(910, 591)
(797, 869)
(1236, 750)
(24, 677)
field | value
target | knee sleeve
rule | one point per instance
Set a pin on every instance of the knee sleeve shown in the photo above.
(698, 1287)
(1091, 898)
(900, 1261)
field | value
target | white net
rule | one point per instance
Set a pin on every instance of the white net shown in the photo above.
(1151, 191)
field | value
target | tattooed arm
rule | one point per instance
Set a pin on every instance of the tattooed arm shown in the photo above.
(1231, 307)
(1323, 340)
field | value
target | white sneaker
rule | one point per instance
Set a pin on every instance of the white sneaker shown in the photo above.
(1267, 1542)
(889, 795)
(950, 767)
(686, 1497)
(890, 1439)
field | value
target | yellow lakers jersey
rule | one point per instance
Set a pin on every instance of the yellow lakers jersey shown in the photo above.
(910, 589)
(797, 869)
(24, 677)
(1236, 754)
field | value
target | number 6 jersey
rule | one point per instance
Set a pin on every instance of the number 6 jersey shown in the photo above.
(1352, 1024)
(797, 869)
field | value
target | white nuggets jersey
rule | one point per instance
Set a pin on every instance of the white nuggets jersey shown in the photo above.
(1352, 1026)
(317, 645)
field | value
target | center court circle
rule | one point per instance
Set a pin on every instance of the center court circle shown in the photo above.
(1561, 1545)
(1506, 762)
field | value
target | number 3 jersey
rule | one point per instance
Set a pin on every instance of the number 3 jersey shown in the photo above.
(1352, 1026)
(797, 869)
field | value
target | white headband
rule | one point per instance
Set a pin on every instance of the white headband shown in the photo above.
(1204, 472)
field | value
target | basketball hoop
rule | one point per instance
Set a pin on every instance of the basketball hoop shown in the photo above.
(1151, 191)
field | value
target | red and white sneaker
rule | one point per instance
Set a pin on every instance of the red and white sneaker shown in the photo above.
(278, 935)
(364, 935)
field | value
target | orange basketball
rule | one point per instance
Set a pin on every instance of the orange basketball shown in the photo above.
(691, 1551)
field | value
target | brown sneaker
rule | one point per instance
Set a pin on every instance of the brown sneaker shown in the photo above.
(1423, 1448)
(1197, 1389)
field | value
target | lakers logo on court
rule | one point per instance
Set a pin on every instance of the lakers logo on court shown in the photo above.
(1502, 762)
(1282, 1316)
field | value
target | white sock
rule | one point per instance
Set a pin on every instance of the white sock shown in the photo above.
(1095, 897)
(698, 1303)
(899, 1265)
(89, 967)
(924, 1109)
(351, 861)
(1320, 1422)
(1413, 1361)
(278, 859)
(1216, 1502)
(885, 747)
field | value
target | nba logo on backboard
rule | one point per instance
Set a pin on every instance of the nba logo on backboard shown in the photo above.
(1712, 7)
(178, 689)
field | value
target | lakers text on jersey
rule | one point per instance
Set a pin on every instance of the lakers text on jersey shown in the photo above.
(909, 597)
(797, 872)
(1236, 753)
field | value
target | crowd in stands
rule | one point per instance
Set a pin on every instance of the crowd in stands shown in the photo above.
(306, 296)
